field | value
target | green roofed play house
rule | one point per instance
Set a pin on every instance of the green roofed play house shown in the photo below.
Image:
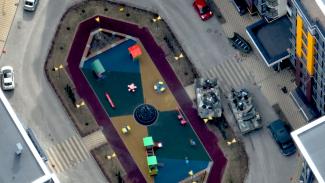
(98, 68)
(148, 141)
(152, 165)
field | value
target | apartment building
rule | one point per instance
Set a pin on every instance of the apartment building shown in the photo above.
(307, 53)
(269, 9)
(20, 160)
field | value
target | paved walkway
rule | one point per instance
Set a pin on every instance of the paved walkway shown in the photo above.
(66, 154)
(94, 140)
(7, 13)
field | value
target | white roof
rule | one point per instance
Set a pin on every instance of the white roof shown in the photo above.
(321, 5)
(310, 141)
(29, 167)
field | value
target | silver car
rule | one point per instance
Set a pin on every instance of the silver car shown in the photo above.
(7, 78)
(30, 5)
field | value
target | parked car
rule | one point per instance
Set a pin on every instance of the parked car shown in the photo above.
(240, 6)
(202, 9)
(30, 5)
(7, 78)
(281, 134)
(240, 43)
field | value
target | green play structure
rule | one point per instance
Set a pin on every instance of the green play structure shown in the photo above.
(98, 68)
(151, 158)
(152, 165)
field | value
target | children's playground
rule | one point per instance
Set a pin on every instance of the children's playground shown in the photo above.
(141, 112)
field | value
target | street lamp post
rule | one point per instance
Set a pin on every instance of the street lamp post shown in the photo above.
(156, 19)
(179, 56)
(58, 68)
(78, 105)
(233, 141)
(111, 156)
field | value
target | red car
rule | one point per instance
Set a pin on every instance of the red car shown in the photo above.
(202, 9)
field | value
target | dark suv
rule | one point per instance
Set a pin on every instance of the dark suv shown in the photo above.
(281, 134)
(240, 6)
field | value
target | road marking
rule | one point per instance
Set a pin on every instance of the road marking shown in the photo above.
(82, 149)
(75, 149)
(67, 154)
(59, 158)
(234, 72)
(63, 155)
(53, 159)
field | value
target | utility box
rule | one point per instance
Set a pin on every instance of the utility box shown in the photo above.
(19, 149)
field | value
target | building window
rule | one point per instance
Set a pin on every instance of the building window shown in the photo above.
(304, 49)
(321, 86)
(304, 39)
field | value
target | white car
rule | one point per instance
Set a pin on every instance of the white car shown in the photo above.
(30, 5)
(7, 78)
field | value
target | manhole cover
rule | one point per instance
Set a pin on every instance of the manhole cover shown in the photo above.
(145, 114)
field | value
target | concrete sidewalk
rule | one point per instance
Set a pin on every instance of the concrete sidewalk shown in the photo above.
(7, 13)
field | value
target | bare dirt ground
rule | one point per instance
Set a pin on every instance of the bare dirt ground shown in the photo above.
(82, 117)
(237, 165)
(109, 164)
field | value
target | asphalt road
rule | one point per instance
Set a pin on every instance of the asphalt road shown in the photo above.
(205, 43)
(38, 107)
(33, 99)
(265, 162)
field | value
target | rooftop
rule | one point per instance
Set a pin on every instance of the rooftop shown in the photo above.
(271, 39)
(309, 140)
(29, 167)
(315, 10)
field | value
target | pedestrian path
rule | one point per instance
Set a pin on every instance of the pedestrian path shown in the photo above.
(94, 140)
(190, 90)
(7, 13)
(66, 154)
(230, 74)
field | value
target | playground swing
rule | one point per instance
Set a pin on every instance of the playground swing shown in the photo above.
(160, 87)
(181, 118)
(126, 129)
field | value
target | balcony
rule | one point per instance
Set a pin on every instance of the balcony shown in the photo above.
(271, 13)
(272, 3)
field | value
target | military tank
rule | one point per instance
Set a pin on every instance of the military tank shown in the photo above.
(248, 119)
(208, 98)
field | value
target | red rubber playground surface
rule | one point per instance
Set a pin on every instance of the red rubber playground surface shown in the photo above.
(94, 96)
